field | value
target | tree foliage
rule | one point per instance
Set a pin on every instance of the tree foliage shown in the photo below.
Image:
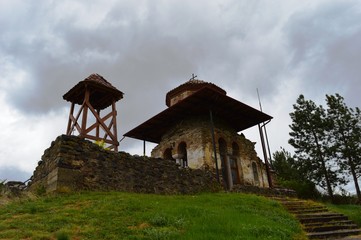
(345, 137)
(327, 142)
(310, 130)
(290, 176)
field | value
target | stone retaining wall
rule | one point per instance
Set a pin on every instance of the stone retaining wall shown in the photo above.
(75, 164)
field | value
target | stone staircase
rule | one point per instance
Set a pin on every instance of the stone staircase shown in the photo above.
(318, 222)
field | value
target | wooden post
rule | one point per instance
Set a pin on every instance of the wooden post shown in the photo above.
(115, 131)
(68, 129)
(85, 113)
(97, 128)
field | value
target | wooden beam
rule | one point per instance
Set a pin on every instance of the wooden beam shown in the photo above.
(85, 112)
(114, 121)
(69, 119)
(97, 124)
(75, 124)
(75, 121)
(102, 124)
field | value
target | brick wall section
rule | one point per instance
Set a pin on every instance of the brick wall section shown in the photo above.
(81, 165)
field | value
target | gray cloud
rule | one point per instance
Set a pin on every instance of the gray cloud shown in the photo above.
(13, 174)
(144, 48)
(326, 48)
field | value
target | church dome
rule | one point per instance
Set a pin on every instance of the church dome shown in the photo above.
(188, 88)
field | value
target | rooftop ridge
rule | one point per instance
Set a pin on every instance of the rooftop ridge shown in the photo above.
(95, 77)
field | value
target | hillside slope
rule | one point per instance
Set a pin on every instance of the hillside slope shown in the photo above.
(115, 215)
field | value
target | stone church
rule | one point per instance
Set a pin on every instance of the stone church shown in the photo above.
(200, 130)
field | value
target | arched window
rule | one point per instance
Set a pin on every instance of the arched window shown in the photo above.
(255, 172)
(182, 150)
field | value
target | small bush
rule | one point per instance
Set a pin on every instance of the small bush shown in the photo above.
(305, 189)
(63, 190)
(101, 144)
(341, 199)
(62, 236)
(40, 190)
(2, 186)
(160, 221)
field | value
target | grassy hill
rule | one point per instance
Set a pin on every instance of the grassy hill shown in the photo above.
(115, 215)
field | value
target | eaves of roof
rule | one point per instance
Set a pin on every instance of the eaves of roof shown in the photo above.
(237, 114)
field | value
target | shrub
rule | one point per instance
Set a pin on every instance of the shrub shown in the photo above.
(63, 190)
(304, 189)
(2, 186)
(62, 236)
(40, 190)
(101, 144)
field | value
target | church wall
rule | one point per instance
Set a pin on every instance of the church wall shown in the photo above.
(247, 155)
(183, 132)
(196, 133)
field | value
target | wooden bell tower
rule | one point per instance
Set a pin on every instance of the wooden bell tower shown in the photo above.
(93, 95)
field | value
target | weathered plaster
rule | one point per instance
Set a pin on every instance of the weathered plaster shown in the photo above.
(195, 132)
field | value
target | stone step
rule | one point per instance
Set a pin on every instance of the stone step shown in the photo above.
(322, 218)
(333, 234)
(301, 206)
(308, 210)
(332, 227)
(352, 237)
(318, 224)
(317, 215)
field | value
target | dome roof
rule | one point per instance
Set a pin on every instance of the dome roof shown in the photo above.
(186, 89)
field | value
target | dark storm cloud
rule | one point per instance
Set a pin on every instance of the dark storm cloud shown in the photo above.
(145, 51)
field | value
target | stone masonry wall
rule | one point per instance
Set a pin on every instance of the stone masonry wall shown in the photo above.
(195, 132)
(78, 164)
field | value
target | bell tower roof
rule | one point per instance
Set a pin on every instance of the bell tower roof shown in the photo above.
(103, 93)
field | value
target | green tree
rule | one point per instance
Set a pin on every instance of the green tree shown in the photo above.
(285, 165)
(345, 137)
(290, 176)
(309, 136)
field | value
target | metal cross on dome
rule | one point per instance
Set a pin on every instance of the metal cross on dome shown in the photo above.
(193, 77)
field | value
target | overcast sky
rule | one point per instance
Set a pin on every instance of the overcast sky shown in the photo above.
(146, 48)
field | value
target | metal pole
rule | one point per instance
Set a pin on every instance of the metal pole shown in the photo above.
(214, 144)
(269, 178)
(269, 150)
(262, 140)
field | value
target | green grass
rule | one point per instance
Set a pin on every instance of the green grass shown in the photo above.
(352, 211)
(114, 215)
